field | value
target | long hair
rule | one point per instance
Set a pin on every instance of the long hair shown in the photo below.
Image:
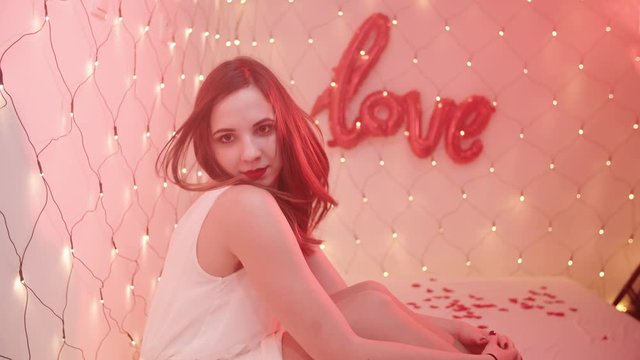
(302, 191)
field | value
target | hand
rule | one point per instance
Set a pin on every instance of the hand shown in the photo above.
(502, 348)
(472, 338)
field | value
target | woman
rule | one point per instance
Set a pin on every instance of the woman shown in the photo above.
(243, 277)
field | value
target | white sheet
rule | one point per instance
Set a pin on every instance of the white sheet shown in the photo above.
(548, 317)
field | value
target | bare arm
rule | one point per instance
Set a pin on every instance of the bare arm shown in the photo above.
(324, 271)
(256, 231)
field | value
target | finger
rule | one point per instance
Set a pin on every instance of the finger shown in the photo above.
(503, 341)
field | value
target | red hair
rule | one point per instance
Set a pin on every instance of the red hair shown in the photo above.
(302, 191)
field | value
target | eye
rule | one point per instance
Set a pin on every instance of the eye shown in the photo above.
(226, 138)
(265, 129)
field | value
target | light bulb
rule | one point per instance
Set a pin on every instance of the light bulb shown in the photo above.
(468, 263)
(461, 132)
(492, 169)
(424, 268)
(333, 84)
(272, 40)
(631, 196)
(570, 262)
(447, 28)
(410, 197)
(206, 34)
(394, 21)
(608, 162)
(433, 163)
(521, 197)
(364, 199)
(385, 93)
(554, 33)
(522, 135)
(580, 131)
(554, 102)
(552, 166)
(494, 228)
(501, 32)
(340, 13)
(601, 274)
(580, 66)
(601, 231)
(254, 43)
(217, 36)
(415, 60)
(200, 77)
(578, 195)
(199, 173)
(310, 41)
(292, 82)
(182, 76)
(188, 31)
(607, 29)
(469, 63)
(394, 235)
(385, 274)
(525, 71)
(165, 184)
(184, 170)
(236, 42)
(610, 96)
(519, 260)
(635, 126)
(227, 43)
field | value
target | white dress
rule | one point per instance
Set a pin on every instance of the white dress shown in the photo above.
(195, 315)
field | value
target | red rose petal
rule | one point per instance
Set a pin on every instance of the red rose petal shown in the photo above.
(415, 285)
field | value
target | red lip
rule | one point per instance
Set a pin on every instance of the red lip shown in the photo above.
(255, 174)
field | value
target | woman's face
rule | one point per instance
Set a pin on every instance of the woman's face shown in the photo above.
(244, 136)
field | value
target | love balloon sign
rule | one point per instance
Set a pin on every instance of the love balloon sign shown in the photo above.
(382, 113)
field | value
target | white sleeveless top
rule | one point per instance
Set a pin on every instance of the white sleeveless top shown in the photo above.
(195, 315)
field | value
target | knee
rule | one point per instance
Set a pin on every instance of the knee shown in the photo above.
(374, 300)
(373, 285)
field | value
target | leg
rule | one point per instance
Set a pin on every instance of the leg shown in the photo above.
(375, 315)
(422, 319)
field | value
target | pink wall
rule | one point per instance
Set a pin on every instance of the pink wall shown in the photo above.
(49, 65)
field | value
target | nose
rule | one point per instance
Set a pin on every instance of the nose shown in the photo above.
(250, 150)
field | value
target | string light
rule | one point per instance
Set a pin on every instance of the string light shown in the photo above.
(631, 196)
(217, 36)
(601, 231)
(385, 93)
(254, 43)
(581, 131)
(492, 169)
(188, 31)
(184, 170)
(433, 163)
(570, 262)
(165, 184)
(385, 274)
(494, 227)
(521, 197)
(525, 70)
(381, 162)
(608, 162)
(521, 134)
(501, 32)
(636, 126)
(552, 166)
(340, 13)
(182, 76)
(621, 307)
(410, 197)
(415, 59)
(601, 273)
(461, 132)
(199, 173)
(464, 195)
(227, 43)
(200, 77)
(468, 263)
(554, 33)
(394, 235)
(550, 228)
(607, 28)
(611, 95)
(519, 260)
(447, 27)
(364, 199)
(578, 195)
(630, 240)
(554, 102)
(394, 21)
(272, 40)
(424, 268)
(206, 34)
(469, 63)
(581, 66)
(332, 84)
(310, 40)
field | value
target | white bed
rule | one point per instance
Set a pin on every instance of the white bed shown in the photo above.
(548, 317)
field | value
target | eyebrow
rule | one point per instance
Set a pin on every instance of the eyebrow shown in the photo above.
(267, 119)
